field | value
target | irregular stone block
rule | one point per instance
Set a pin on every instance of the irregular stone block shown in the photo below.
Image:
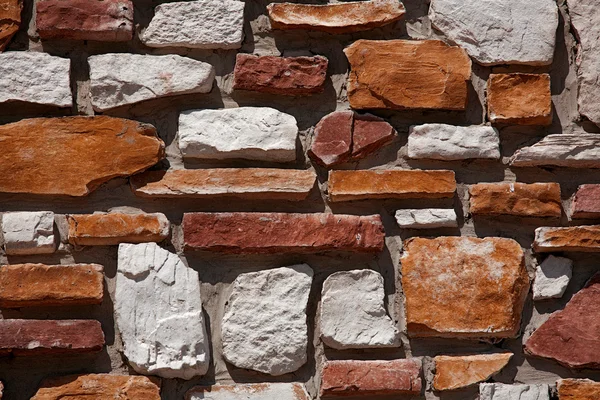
(353, 314)
(586, 203)
(256, 391)
(519, 99)
(451, 284)
(517, 199)
(462, 371)
(500, 391)
(84, 153)
(159, 313)
(118, 79)
(448, 142)
(407, 74)
(552, 277)
(430, 218)
(573, 238)
(206, 24)
(562, 150)
(253, 133)
(102, 20)
(27, 233)
(264, 327)
(578, 389)
(267, 233)
(370, 133)
(10, 20)
(244, 183)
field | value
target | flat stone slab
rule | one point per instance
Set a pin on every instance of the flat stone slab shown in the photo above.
(27, 233)
(256, 391)
(448, 142)
(586, 203)
(578, 389)
(10, 20)
(516, 199)
(456, 372)
(552, 277)
(561, 150)
(574, 238)
(430, 218)
(501, 391)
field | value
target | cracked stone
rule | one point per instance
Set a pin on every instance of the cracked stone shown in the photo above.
(552, 277)
(561, 150)
(501, 391)
(431, 218)
(10, 20)
(448, 142)
(27, 233)
(456, 372)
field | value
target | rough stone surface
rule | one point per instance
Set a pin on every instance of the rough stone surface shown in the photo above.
(371, 378)
(578, 389)
(519, 99)
(118, 79)
(463, 287)
(562, 150)
(370, 133)
(28, 233)
(573, 238)
(456, 372)
(254, 133)
(103, 20)
(34, 77)
(10, 20)
(159, 313)
(493, 33)
(407, 74)
(206, 24)
(256, 391)
(249, 233)
(586, 203)
(104, 229)
(73, 146)
(38, 285)
(448, 142)
(353, 314)
(430, 218)
(517, 199)
(390, 184)
(501, 391)
(552, 277)
(265, 324)
(571, 336)
(243, 183)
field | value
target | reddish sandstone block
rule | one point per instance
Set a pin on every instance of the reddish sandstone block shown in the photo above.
(586, 203)
(370, 134)
(10, 20)
(578, 389)
(573, 238)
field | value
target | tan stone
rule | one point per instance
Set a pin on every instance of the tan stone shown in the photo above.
(407, 74)
(519, 199)
(573, 238)
(578, 389)
(462, 371)
(10, 20)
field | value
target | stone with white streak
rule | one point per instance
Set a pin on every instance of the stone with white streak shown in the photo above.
(561, 150)
(264, 327)
(427, 218)
(119, 79)
(552, 277)
(159, 313)
(206, 24)
(499, 32)
(448, 142)
(255, 391)
(253, 133)
(501, 391)
(28, 232)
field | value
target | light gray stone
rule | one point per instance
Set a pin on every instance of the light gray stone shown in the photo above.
(28, 233)
(254, 133)
(264, 327)
(256, 391)
(118, 79)
(561, 150)
(430, 218)
(448, 142)
(500, 391)
(552, 277)
(353, 314)
(204, 24)
(159, 313)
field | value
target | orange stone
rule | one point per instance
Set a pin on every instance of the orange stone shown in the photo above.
(463, 371)
(408, 74)
(391, 184)
(578, 389)
(573, 238)
(10, 20)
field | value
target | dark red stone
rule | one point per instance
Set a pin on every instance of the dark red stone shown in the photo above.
(586, 203)
(370, 134)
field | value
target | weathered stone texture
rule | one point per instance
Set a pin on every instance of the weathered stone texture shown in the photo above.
(256, 391)
(552, 277)
(430, 218)
(448, 142)
(578, 389)
(501, 391)
(27, 233)
(10, 20)
(562, 150)
(573, 238)
(455, 372)
(586, 203)
(517, 199)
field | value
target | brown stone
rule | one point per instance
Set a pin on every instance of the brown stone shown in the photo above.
(253, 391)
(463, 287)
(586, 203)
(10, 20)
(573, 238)
(519, 99)
(99, 387)
(113, 228)
(335, 18)
(36, 285)
(518, 199)
(73, 155)
(572, 336)
(244, 183)
(408, 74)
(102, 20)
(578, 389)
(28, 337)
(394, 184)
(462, 371)
(371, 378)
(282, 233)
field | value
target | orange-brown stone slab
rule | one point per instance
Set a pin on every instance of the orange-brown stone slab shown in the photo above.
(113, 228)
(73, 155)
(586, 203)
(518, 199)
(407, 74)
(38, 285)
(455, 372)
(574, 238)
(578, 389)
(10, 20)
(463, 287)
(519, 99)
(99, 387)
(390, 184)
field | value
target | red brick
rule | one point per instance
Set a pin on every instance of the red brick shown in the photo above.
(586, 203)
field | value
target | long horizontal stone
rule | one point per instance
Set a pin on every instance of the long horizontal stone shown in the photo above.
(429, 218)
(10, 20)
(586, 203)
(390, 184)
(251, 391)
(502, 391)
(448, 142)
(561, 150)
(245, 183)
(578, 389)
(282, 233)
(455, 372)
(518, 199)
(573, 238)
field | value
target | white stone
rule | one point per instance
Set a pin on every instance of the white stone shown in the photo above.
(257, 391)
(264, 327)
(448, 142)
(254, 133)
(159, 313)
(117, 79)
(500, 391)
(499, 32)
(35, 77)
(552, 277)
(28, 232)
(353, 314)
(204, 24)
(561, 150)
(430, 218)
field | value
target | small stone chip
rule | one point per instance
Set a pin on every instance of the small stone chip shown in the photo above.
(552, 277)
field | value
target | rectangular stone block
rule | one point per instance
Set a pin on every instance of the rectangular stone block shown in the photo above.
(586, 203)
(573, 238)
(578, 389)
(256, 391)
(448, 142)
(501, 391)
(27, 233)
(282, 233)
(517, 199)
(430, 218)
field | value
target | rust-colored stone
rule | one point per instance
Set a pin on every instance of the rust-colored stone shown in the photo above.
(573, 238)
(578, 389)
(455, 372)
(407, 74)
(10, 20)
(463, 287)
(586, 203)
(73, 155)
(394, 184)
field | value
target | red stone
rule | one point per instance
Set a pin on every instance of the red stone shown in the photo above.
(586, 203)
(370, 134)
